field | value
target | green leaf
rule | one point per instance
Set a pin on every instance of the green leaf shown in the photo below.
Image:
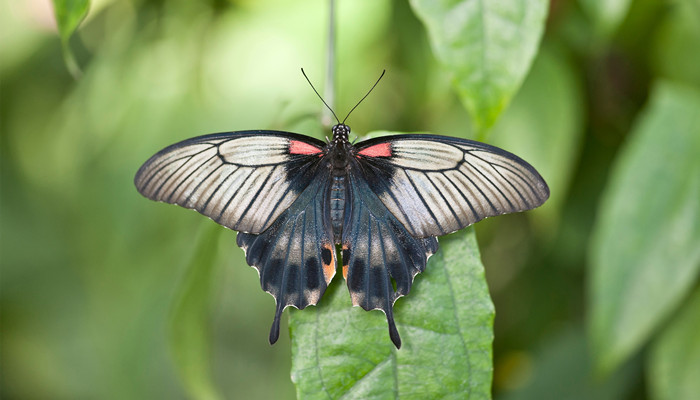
(487, 45)
(606, 15)
(676, 42)
(543, 125)
(674, 361)
(445, 324)
(190, 339)
(645, 248)
(560, 367)
(69, 14)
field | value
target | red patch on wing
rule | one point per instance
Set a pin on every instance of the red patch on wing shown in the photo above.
(378, 150)
(298, 147)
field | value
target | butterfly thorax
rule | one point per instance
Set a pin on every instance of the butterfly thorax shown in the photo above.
(339, 147)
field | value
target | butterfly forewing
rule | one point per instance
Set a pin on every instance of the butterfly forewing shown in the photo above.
(242, 180)
(436, 185)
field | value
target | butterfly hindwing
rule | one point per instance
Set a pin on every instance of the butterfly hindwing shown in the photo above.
(436, 185)
(242, 180)
(295, 256)
(378, 252)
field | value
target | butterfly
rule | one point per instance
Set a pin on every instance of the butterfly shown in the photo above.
(383, 201)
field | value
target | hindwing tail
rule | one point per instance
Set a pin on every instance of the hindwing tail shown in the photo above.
(380, 257)
(295, 256)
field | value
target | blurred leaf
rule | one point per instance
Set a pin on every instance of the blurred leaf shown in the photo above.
(561, 368)
(676, 43)
(544, 124)
(645, 249)
(606, 15)
(69, 14)
(674, 361)
(190, 338)
(488, 46)
(445, 323)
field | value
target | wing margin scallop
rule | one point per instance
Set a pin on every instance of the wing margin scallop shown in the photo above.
(242, 180)
(435, 185)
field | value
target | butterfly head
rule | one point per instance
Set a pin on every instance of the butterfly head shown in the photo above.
(340, 133)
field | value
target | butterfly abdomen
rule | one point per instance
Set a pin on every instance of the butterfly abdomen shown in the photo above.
(337, 199)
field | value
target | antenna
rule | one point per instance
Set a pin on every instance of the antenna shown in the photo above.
(319, 96)
(370, 91)
(353, 109)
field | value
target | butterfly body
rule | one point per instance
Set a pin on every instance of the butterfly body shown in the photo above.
(338, 151)
(337, 206)
(384, 201)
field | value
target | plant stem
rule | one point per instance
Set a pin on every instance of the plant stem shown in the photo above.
(329, 91)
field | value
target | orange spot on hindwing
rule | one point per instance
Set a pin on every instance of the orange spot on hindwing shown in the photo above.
(346, 257)
(328, 260)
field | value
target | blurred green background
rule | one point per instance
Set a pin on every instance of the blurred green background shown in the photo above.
(92, 272)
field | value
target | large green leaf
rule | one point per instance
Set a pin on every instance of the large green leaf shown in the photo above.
(445, 324)
(676, 42)
(674, 362)
(190, 339)
(645, 250)
(487, 45)
(69, 14)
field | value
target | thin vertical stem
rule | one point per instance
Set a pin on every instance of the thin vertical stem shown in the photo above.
(329, 91)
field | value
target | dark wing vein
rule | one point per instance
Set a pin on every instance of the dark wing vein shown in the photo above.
(490, 185)
(425, 203)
